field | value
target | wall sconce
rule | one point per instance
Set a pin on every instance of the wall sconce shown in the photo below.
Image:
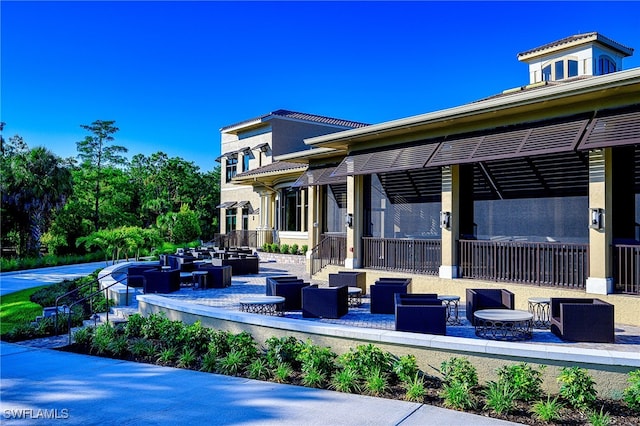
(445, 220)
(596, 219)
(348, 220)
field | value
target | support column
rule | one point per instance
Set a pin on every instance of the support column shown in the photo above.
(355, 208)
(451, 227)
(600, 221)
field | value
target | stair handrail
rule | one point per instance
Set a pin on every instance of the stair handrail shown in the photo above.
(319, 253)
(90, 296)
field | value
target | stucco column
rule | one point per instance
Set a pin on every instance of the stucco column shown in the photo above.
(354, 232)
(450, 205)
(600, 279)
(312, 223)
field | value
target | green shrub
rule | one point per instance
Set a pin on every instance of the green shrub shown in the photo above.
(366, 358)
(577, 387)
(500, 397)
(275, 248)
(102, 337)
(284, 349)
(458, 396)
(83, 336)
(376, 382)
(405, 367)
(525, 381)
(599, 418)
(547, 411)
(232, 363)
(631, 394)
(313, 378)
(258, 369)
(187, 358)
(316, 358)
(282, 373)
(141, 347)
(415, 389)
(293, 249)
(459, 370)
(304, 249)
(346, 380)
(284, 248)
(167, 356)
(266, 247)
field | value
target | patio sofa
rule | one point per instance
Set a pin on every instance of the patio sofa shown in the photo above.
(134, 273)
(244, 265)
(157, 281)
(350, 279)
(487, 298)
(325, 302)
(420, 313)
(582, 319)
(182, 263)
(217, 276)
(383, 291)
(289, 287)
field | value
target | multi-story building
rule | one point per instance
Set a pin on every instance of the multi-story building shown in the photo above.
(258, 203)
(537, 185)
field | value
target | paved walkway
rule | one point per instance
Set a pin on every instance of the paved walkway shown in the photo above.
(45, 386)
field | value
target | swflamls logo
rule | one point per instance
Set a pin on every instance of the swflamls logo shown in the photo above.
(34, 414)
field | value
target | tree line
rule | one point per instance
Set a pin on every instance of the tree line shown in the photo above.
(73, 204)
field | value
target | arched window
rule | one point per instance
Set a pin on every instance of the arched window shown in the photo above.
(606, 65)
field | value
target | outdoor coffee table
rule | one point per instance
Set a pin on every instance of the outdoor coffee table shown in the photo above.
(200, 279)
(451, 302)
(355, 296)
(266, 305)
(503, 324)
(539, 307)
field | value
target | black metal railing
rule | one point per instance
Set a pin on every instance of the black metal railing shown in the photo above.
(238, 238)
(402, 255)
(627, 268)
(331, 250)
(90, 285)
(551, 264)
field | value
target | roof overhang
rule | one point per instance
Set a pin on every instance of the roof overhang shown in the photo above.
(607, 91)
(310, 154)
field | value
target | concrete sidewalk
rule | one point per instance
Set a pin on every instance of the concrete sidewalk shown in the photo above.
(29, 278)
(44, 386)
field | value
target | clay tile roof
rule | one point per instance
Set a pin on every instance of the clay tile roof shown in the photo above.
(592, 36)
(301, 116)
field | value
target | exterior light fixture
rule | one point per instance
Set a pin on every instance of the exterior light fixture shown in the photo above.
(445, 220)
(348, 220)
(596, 219)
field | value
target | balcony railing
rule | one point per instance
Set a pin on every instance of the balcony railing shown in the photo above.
(331, 250)
(402, 255)
(549, 264)
(238, 238)
(627, 268)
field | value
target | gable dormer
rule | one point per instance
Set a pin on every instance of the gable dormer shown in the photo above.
(580, 55)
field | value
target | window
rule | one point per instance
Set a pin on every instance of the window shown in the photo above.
(245, 161)
(293, 208)
(231, 167)
(245, 218)
(230, 220)
(546, 73)
(607, 65)
(559, 70)
(573, 68)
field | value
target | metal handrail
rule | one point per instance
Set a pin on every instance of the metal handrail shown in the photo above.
(90, 296)
(325, 245)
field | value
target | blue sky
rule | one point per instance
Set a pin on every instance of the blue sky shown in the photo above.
(171, 74)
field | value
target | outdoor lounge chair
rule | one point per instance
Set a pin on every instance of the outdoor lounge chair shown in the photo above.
(383, 291)
(240, 265)
(161, 281)
(217, 276)
(350, 279)
(134, 273)
(289, 287)
(420, 313)
(324, 302)
(582, 319)
(488, 298)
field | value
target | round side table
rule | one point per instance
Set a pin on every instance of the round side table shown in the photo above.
(539, 307)
(451, 302)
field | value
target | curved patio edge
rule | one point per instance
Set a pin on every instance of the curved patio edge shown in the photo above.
(534, 353)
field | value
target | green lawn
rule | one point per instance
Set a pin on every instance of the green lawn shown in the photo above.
(17, 309)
